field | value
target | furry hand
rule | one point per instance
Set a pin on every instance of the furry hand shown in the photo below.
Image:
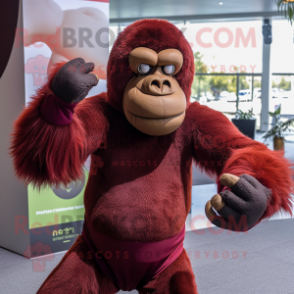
(242, 207)
(73, 81)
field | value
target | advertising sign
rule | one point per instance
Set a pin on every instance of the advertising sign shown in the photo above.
(55, 31)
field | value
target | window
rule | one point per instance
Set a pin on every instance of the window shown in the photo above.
(228, 65)
(282, 67)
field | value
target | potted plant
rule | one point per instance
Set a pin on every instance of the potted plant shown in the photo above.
(277, 132)
(245, 122)
(286, 7)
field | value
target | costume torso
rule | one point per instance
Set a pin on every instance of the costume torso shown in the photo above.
(139, 186)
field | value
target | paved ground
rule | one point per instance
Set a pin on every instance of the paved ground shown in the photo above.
(261, 261)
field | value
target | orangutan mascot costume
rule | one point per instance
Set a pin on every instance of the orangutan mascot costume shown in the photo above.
(143, 135)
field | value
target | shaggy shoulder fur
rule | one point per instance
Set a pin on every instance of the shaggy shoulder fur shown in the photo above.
(219, 147)
(45, 154)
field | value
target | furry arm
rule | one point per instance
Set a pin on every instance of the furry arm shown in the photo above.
(50, 154)
(219, 147)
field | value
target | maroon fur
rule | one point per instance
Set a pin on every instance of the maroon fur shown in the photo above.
(77, 273)
(221, 148)
(43, 154)
(139, 188)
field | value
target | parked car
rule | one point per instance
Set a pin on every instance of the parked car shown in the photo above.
(245, 95)
(208, 96)
(232, 97)
(224, 95)
(280, 93)
(276, 93)
(205, 97)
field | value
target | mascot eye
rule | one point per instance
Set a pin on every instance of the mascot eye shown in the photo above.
(169, 69)
(144, 69)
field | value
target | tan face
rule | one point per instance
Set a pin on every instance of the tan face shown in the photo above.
(153, 101)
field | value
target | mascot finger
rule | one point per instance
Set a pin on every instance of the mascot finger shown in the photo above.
(213, 217)
(229, 180)
(223, 209)
(217, 202)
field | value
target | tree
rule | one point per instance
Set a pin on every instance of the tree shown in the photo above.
(243, 84)
(283, 84)
(223, 83)
(257, 83)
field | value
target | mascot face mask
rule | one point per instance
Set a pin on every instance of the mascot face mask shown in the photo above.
(153, 100)
(151, 78)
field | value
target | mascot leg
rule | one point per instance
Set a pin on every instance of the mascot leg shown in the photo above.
(178, 278)
(77, 273)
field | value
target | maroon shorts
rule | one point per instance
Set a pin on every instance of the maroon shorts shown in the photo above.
(130, 264)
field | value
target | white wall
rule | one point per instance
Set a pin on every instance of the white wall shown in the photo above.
(13, 192)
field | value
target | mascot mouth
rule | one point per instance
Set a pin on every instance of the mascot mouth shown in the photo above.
(156, 118)
(155, 92)
(142, 106)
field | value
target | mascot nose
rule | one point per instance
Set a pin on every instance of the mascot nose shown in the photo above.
(157, 86)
